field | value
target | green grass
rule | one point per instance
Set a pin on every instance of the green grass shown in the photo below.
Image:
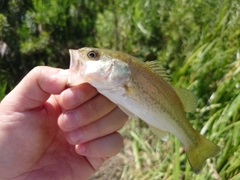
(198, 43)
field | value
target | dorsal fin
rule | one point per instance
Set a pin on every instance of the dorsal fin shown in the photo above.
(159, 69)
(188, 99)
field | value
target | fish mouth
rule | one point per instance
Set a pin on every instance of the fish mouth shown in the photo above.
(75, 69)
(78, 67)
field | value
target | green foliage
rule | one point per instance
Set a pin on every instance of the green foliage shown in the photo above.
(196, 40)
(40, 32)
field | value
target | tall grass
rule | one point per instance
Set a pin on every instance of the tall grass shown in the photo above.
(198, 42)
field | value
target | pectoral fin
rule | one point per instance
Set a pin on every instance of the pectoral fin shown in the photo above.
(129, 113)
(163, 135)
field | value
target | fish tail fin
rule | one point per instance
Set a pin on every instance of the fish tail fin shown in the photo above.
(199, 153)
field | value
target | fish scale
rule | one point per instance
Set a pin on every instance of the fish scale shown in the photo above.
(142, 90)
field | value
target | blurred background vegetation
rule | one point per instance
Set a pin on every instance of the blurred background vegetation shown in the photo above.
(196, 40)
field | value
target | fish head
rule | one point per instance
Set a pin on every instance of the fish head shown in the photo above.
(100, 68)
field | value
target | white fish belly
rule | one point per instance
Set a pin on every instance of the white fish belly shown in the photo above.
(140, 109)
(153, 117)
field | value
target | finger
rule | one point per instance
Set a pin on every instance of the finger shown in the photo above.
(104, 147)
(110, 123)
(75, 96)
(85, 114)
(36, 87)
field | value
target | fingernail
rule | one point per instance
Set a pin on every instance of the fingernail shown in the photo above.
(70, 120)
(75, 136)
(81, 149)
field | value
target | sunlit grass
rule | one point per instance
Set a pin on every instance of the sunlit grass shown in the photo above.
(198, 43)
(218, 121)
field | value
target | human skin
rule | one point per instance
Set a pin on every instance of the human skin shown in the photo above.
(49, 131)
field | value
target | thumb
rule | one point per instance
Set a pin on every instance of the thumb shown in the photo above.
(36, 87)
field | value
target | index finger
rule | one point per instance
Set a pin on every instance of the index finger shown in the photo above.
(75, 96)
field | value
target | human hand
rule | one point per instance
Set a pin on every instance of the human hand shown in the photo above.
(63, 136)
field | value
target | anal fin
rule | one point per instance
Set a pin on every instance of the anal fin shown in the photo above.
(163, 135)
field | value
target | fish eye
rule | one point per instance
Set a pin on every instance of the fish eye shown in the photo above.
(92, 55)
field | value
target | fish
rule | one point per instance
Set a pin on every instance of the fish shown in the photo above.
(143, 90)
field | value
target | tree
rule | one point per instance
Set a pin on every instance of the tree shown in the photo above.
(40, 32)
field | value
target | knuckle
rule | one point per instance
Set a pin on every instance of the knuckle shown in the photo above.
(92, 110)
(116, 144)
(98, 128)
(101, 147)
(38, 70)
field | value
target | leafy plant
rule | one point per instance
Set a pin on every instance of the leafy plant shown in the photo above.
(196, 40)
